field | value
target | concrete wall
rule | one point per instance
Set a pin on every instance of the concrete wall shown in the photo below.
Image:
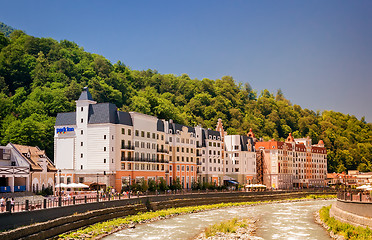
(355, 213)
(54, 221)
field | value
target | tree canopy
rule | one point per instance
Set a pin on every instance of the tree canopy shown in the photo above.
(40, 77)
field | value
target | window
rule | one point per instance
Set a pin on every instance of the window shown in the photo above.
(170, 139)
(104, 149)
(178, 168)
(183, 168)
(148, 135)
(104, 136)
(123, 131)
(142, 133)
(129, 132)
(81, 132)
(81, 167)
(137, 133)
(210, 144)
(81, 109)
(162, 137)
(81, 143)
(104, 160)
(123, 166)
(82, 120)
(81, 155)
(153, 135)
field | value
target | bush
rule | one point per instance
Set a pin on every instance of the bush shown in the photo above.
(348, 231)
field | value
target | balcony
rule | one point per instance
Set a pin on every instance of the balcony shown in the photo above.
(162, 151)
(127, 147)
(127, 159)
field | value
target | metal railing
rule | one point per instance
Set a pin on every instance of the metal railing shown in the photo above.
(90, 197)
(354, 196)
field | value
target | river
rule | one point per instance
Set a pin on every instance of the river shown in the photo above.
(292, 220)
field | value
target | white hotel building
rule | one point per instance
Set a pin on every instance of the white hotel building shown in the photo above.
(98, 143)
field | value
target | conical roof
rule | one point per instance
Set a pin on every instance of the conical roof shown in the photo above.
(85, 95)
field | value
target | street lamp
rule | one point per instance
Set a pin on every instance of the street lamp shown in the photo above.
(129, 187)
(59, 171)
(97, 188)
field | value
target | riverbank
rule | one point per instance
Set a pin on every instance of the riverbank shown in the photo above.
(339, 230)
(100, 230)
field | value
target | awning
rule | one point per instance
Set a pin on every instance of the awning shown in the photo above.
(233, 182)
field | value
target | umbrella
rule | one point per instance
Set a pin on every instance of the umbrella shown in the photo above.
(81, 185)
(77, 185)
(61, 185)
(364, 187)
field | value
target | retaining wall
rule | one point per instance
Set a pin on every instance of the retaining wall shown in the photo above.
(355, 213)
(46, 223)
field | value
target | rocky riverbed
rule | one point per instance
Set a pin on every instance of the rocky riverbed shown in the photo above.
(243, 233)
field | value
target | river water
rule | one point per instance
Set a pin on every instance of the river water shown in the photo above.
(293, 220)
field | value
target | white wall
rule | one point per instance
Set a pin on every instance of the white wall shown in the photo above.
(64, 157)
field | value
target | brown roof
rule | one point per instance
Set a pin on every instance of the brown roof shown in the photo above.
(35, 155)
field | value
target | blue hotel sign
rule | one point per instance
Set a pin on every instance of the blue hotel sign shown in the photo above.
(64, 130)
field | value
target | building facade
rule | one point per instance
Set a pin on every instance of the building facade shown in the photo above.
(25, 168)
(295, 163)
(99, 144)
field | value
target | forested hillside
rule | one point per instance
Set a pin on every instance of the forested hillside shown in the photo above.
(7, 30)
(40, 77)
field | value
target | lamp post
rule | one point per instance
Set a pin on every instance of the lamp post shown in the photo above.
(129, 187)
(97, 189)
(59, 171)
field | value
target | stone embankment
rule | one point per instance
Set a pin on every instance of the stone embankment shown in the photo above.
(319, 221)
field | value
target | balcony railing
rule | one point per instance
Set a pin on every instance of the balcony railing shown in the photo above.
(162, 150)
(129, 147)
(133, 159)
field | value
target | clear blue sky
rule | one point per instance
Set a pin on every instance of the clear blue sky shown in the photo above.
(318, 52)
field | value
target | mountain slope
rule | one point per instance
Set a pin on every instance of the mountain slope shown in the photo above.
(7, 30)
(40, 77)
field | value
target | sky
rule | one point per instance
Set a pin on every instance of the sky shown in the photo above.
(319, 53)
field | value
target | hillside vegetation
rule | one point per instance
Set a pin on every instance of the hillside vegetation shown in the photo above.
(7, 30)
(40, 77)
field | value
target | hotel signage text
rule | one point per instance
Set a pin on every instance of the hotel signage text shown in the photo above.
(64, 130)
